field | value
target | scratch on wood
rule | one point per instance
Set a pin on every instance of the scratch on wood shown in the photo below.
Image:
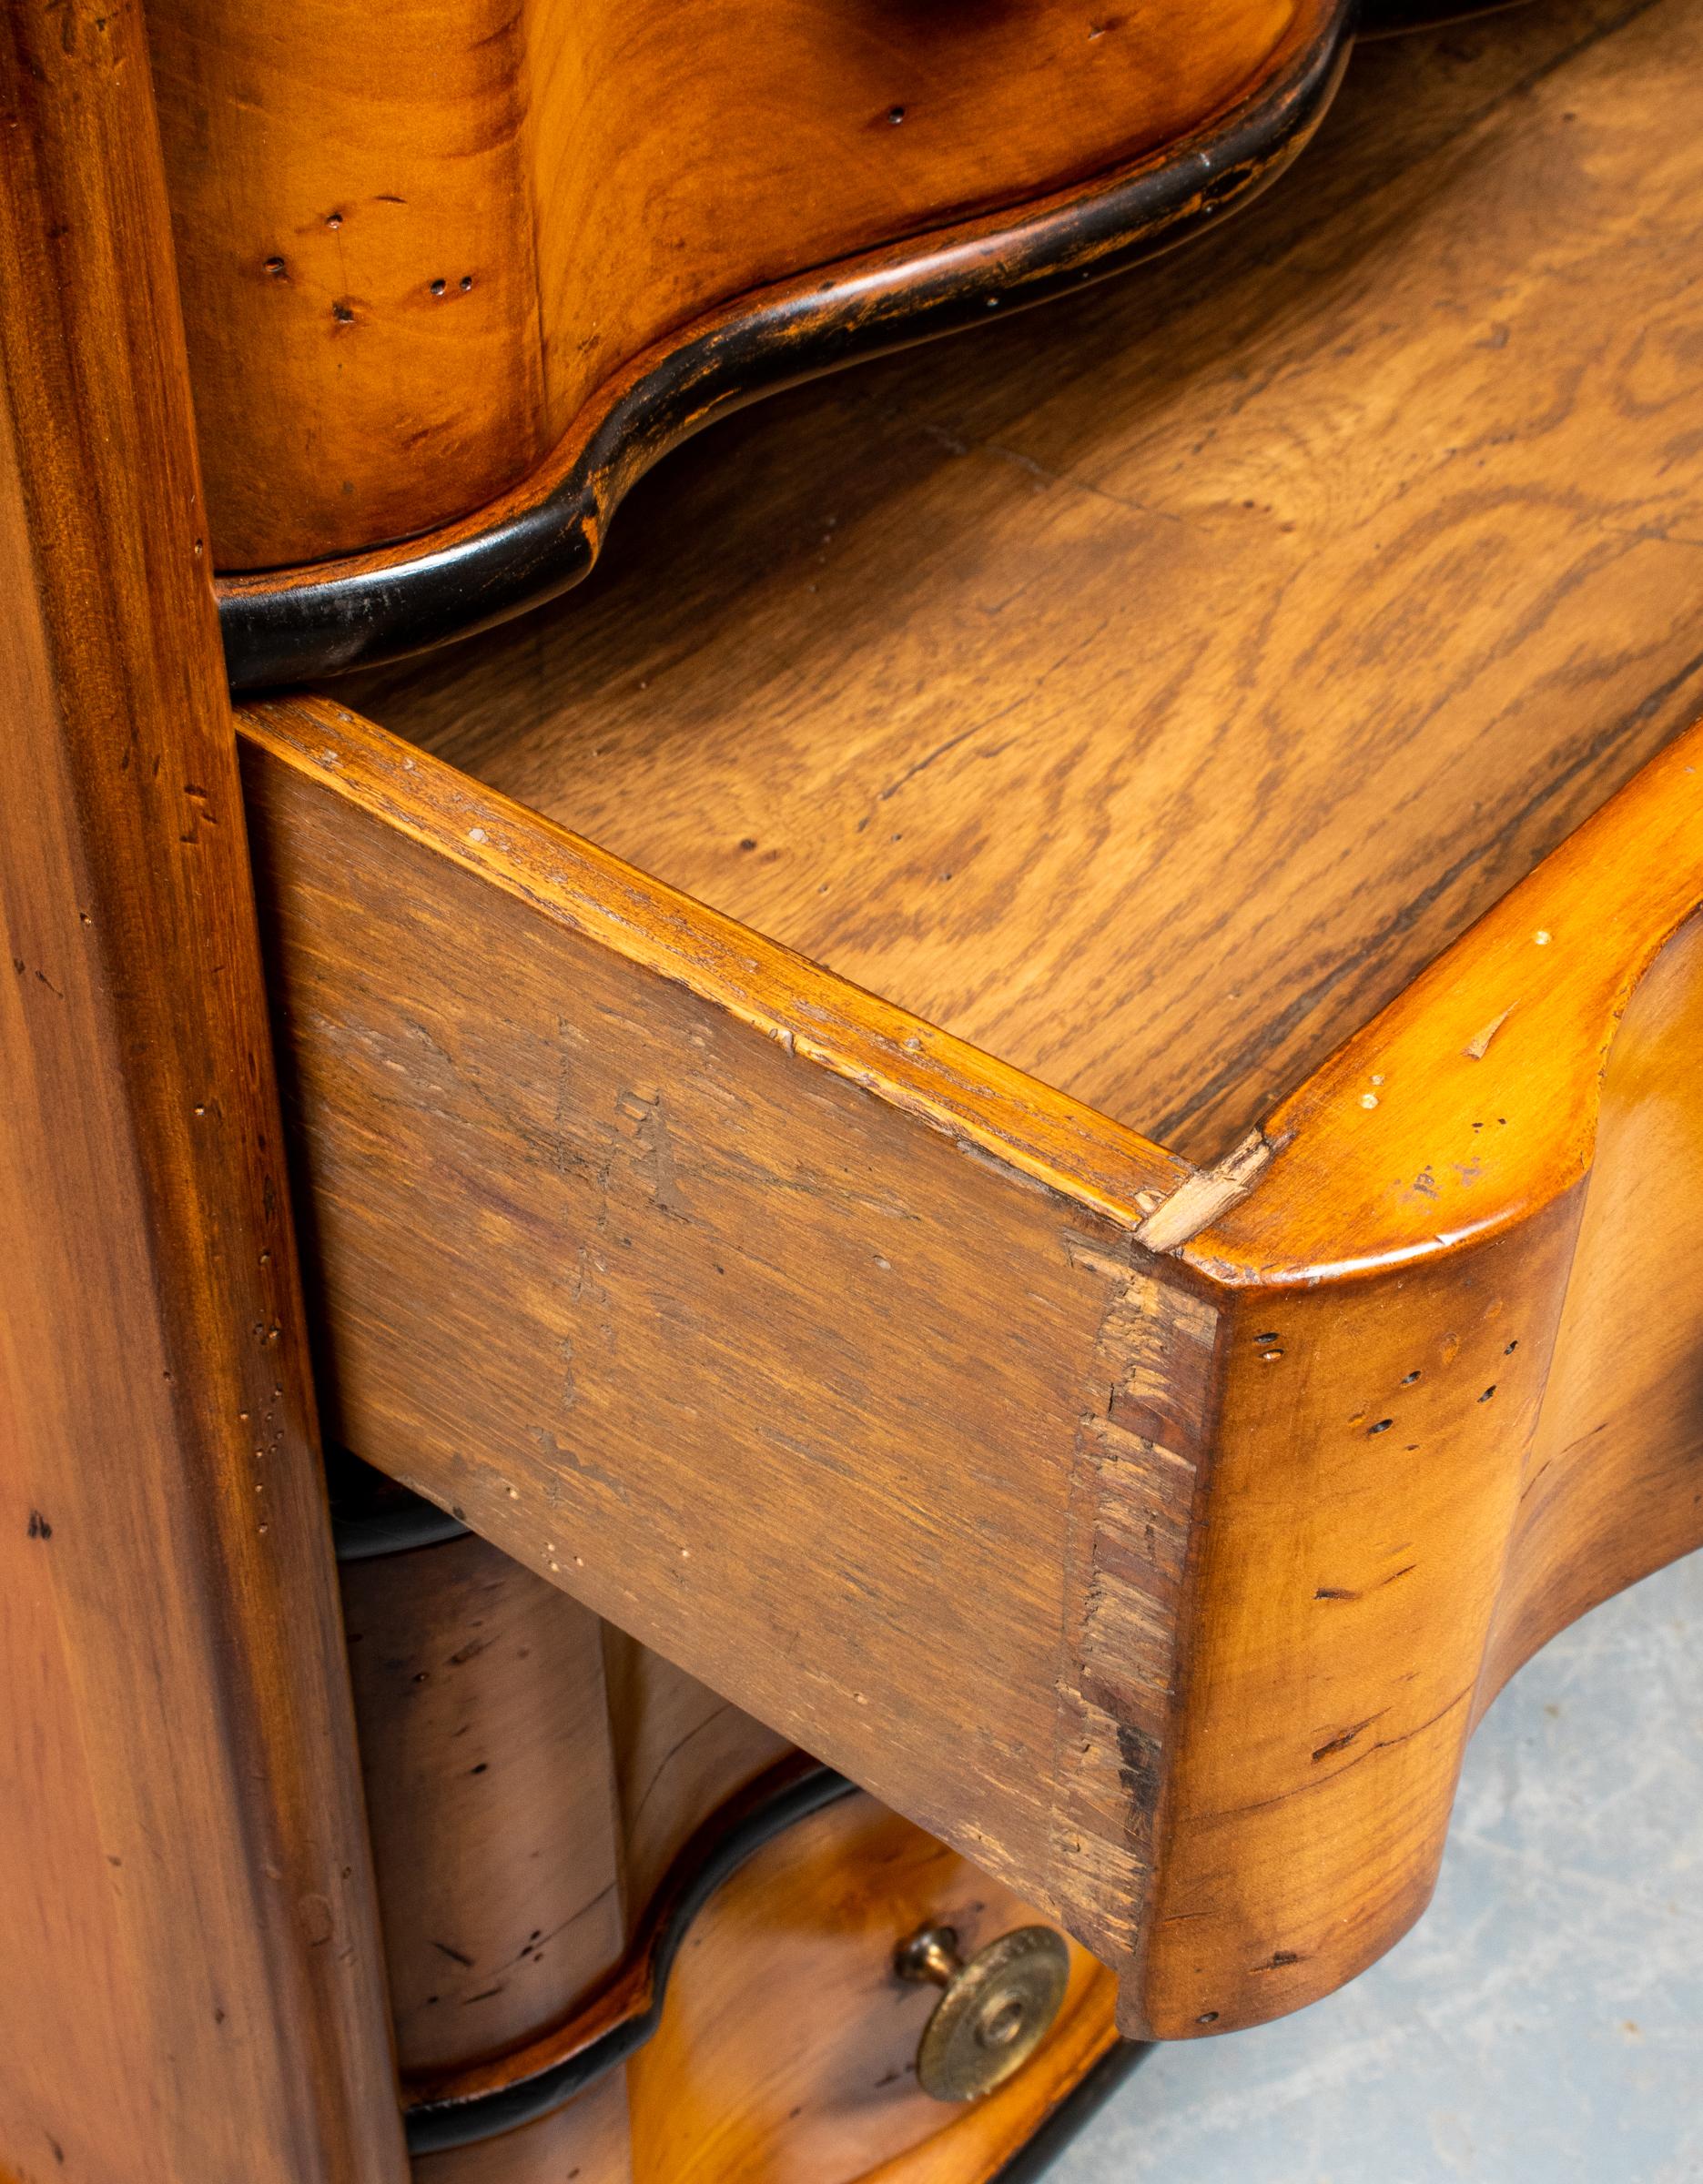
(643, 1117)
(1196, 1203)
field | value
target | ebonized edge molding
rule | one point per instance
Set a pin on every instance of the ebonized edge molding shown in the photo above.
(325, 618)
(1078, 2108)
(373, 1514)
(460, 2108)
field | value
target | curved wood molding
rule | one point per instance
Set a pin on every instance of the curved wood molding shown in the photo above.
(458, 2108)
(542, 536)
(1460, 1404)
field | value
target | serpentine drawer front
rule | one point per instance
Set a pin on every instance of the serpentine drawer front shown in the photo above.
(1082, 1186)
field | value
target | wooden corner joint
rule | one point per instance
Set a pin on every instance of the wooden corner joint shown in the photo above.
(1396, 1397)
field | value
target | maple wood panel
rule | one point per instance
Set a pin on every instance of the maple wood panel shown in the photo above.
(1148, 689)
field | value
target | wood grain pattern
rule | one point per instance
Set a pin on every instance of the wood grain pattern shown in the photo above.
(787, 2048)
(1152, 1534)
(787, 2052)
(1425, 1453)
(486, 1742)
(193, 1985)
(680, 1751)
(700, 1223)
(1603, 1498)
(1183, 1466)
(485, 1745)
(1356, 556)
(415, 247)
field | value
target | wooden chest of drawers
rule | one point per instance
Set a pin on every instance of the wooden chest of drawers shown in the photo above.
(1014, 1108)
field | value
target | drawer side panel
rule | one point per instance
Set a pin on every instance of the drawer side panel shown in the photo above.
(835, 1407)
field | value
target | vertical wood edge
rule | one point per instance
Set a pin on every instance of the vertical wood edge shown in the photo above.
(196, 1964)
(1143, 1444)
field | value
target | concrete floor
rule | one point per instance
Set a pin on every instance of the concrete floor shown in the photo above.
(1544, 2022)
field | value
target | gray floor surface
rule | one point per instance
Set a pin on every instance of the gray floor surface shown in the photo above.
(1543, 2024)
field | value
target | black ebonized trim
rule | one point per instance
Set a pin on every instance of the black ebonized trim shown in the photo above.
(1397, 18)
(540, 540)
(373, 1514)
(434, 2125)
(1085, 2100)
(394, 1531)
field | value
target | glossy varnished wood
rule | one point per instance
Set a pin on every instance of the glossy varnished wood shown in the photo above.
(787, 2047)
(414, 250)
(1147, 691)
(1459, 1402)
(192, 1982)
(786, 2053)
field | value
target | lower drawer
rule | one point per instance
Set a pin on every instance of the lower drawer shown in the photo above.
(1148, 1516)
(632, 1938)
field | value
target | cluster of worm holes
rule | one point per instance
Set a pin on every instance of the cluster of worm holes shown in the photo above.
(277, 268)
(1269, 1347)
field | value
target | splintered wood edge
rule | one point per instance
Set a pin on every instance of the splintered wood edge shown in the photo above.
(992, 1112)
(1470, 1103)
(1197, 1203)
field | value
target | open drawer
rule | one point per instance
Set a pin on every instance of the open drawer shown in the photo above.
(1102, 1222)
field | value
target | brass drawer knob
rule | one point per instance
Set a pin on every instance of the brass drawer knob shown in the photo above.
(997, 2008)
